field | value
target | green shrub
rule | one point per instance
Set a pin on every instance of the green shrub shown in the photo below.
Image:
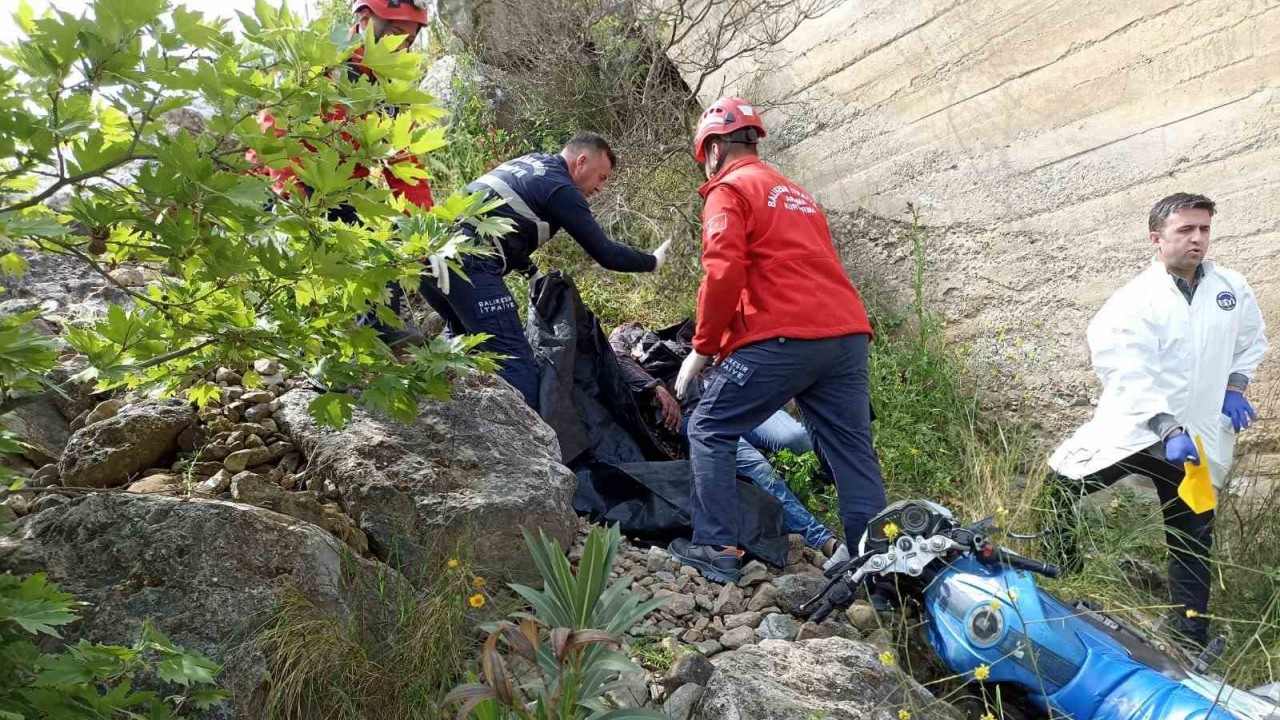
(86, 108)
(392, 659)
(87, 681)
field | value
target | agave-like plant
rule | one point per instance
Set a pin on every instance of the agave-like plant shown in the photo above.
(570, 646)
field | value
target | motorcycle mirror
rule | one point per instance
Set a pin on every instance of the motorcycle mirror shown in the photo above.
(1210, 654)
(985, 526)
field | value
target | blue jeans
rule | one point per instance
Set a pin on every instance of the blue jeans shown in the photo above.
(779, 432)
(752, 464)
(829, 380)
(482, 303)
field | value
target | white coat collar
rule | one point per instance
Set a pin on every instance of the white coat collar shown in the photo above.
(1158, 270)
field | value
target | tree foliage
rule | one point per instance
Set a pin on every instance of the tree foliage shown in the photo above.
(102, 160)
(87, 680)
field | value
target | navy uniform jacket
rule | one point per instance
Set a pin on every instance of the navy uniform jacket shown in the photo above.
(541, 199)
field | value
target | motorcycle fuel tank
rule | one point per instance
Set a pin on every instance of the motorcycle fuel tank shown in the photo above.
(996, 616)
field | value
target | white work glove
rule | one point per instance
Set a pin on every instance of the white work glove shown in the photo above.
(689, 371)
(840, 555)
(661, 255)
(441, 270)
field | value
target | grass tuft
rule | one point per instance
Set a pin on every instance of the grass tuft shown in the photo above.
(394, 659)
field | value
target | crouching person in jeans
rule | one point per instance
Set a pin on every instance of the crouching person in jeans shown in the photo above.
(780, 431)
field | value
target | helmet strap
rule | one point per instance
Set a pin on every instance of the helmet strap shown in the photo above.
(745, 136)
(720, 142)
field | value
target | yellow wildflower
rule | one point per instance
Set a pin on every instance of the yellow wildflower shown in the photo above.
(1191, 612)
(891, 531)
(994, 604)
(1013, 595)
(903, 714)
(478, 581)
(982, 672)
(452, 564)
(915, 451)
(476, 601)
(988, 716)
(887, 658)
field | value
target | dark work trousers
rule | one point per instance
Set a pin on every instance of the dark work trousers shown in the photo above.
(1189, 536)
(828, 378)
(482, 303)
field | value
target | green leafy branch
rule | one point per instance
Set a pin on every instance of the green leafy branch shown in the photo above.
(89, 680)
(268, 239)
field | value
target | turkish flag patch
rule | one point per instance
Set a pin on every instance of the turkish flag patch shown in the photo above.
(718, 223)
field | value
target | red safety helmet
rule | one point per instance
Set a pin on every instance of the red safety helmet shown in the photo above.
(411, 10)
(730, 116)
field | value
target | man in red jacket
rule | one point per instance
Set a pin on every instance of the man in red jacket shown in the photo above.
(780, 316)
(385, 17)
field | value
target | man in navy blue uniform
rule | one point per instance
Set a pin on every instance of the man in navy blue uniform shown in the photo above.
(543, 193)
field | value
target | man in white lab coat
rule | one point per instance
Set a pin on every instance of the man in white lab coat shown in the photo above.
(1175, 349)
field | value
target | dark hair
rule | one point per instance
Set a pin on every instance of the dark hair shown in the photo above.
(1176, 203)
(592, 141)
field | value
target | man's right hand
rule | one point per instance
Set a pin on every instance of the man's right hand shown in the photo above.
(1179, 448)
(660, 255)
(670, 408)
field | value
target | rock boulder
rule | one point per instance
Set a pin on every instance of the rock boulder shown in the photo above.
(140, 436)
(474, 469)
(832, 677)
(206, 573)
(41, 428)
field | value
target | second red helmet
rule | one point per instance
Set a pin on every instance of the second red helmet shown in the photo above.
(411, 10)
(725, 117)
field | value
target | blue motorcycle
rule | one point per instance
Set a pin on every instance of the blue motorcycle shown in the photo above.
(986, 619)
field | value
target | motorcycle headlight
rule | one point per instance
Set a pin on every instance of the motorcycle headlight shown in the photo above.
(914, 520)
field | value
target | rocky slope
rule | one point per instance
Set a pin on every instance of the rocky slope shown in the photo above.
(721, 652)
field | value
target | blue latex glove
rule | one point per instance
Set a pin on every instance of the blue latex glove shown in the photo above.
(1238, 409)
(1180, 448)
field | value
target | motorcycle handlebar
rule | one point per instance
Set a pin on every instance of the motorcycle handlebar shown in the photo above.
(836, 594)
(997, 555)
(822, 612)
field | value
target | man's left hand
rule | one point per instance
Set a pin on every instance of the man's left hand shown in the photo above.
(440, 269)
(670, 408)
(660, 255)
(1236, 407)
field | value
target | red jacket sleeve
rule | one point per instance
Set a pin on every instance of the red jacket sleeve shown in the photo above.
(419, 194)
(282, 179)
(725, 218)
